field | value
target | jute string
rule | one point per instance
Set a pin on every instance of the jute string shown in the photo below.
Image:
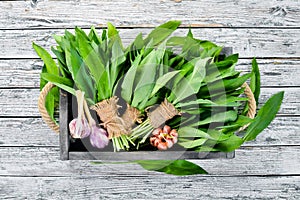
(162, 113)
(130, 117)
(42, 108)
(251, 104)
(107, 110)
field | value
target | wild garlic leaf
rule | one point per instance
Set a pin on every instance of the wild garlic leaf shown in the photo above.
(175, 167)
(46, 57)
(162, 81)
(218, 117)
(255, 80)
(161, 32)
(191, 132)
(264, 116)
(189, 144)
(128, 80)
(89, 55)
(230, 144)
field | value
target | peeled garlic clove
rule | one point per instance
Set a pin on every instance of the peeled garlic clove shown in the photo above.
(79, 128)
(153, 141)
(169, 143)
(98, 137)
(174, 140)
(166, 129)
(174, 136)
(174, 133)
(156, 132)
(162, 146)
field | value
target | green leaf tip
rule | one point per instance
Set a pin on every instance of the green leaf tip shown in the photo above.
(174, 167)
(264, 116)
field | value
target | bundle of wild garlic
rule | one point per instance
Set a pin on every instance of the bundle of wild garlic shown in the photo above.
(178, 91)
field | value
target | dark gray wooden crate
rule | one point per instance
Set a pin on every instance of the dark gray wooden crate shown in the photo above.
(72, 151)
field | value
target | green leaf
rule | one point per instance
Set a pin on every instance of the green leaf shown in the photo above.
(234, 126)
(103, 87)
(93, 36)
(111, 30)
(198, 73)
(58, 82)
(127, 85)
(197, 103)
(117, 58)
(190, 34)
(141, 96)
(145, 78)
(162, 81)
(192, 132)
(264, 116)
(230, 144)
(89, 55)
(222, 85)
(50, 102)
(80, 73)
(138, 43)
(191, 83)
(161, 32)
(57, 79)
(175, 167)
(188, 144)
(48, 60)
(230, 115)
(255, 80)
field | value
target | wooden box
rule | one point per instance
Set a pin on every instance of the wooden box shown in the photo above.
(82, 150)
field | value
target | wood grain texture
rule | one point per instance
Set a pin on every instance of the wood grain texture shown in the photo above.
(24, 132)
(274, 72)
(267, 168)
(23, 102)
(29, 14)
(150, 187)
(247, 42)
(44, 161)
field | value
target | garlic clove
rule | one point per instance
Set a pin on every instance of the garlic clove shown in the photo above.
(98, 137)
(166, 129)
(156, 132)
(79, 128)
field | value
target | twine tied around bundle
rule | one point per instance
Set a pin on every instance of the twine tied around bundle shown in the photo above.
(130, 117)
(107, 110)
(162, 113)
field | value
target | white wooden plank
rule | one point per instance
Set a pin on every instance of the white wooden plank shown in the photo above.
(33, 161)
(274, 72)
(283, 130)
(26, 132)
(34, 132)
(150, 187)
(247, 42)
(23, 102)
(27, 14)
(289, 103)
(20, 73)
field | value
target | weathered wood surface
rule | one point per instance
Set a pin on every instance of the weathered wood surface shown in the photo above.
(23, 102)
(251, 42)
(41, 14)
(16, 73)
(267, 168)
(150, 187)
(44, 161)
(22, 132)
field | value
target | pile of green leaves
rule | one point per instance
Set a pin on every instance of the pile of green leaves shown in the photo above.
(194, 75)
